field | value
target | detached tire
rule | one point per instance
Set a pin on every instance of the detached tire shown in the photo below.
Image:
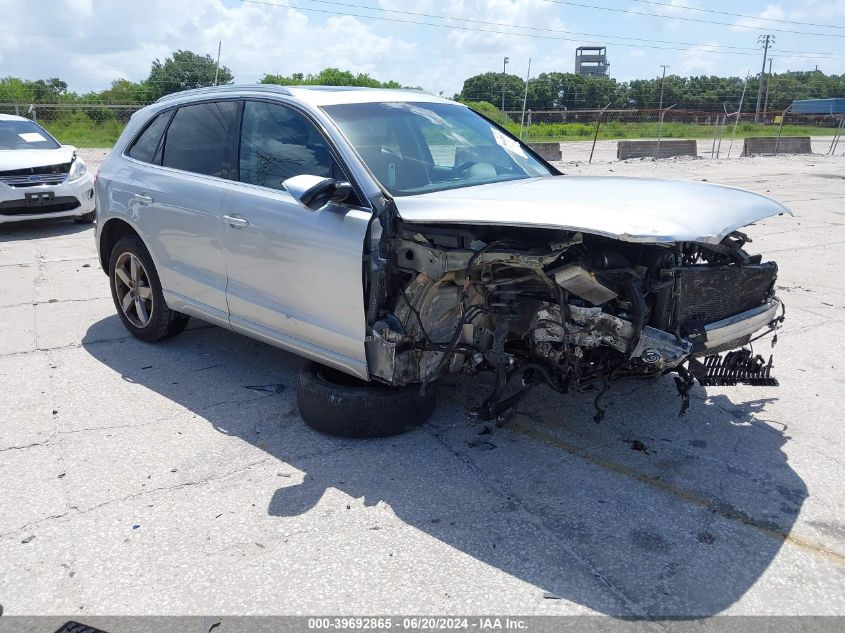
(337, 404)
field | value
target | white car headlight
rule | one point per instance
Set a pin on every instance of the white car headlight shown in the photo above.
(77, 170)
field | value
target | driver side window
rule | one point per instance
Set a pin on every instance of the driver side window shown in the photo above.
(278, 143)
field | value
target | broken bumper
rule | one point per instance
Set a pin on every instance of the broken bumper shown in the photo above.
(736, 330)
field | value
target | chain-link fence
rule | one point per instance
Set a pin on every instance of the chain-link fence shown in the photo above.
(84, 125)
(567, 135)
(599, 135)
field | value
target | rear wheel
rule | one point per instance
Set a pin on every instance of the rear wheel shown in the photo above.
(137, 295)
(337, 404)
(86, 218)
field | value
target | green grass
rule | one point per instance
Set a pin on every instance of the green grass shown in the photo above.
(77, 128)
(613, 130)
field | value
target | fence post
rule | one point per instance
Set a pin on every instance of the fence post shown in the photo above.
(835, 140)
(17, 110)
(596, 136)
(739, 112)
(780, 128)
(660, 129)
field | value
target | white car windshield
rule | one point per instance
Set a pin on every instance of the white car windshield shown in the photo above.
(414, 148)
(16, 134)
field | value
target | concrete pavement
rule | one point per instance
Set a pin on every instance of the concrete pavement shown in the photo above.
(155, 479)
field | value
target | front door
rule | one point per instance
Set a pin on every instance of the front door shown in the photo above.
(295, 276)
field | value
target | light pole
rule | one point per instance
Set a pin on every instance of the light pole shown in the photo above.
(765, 40)
(504, 71)
(217, 66)
(662, 81)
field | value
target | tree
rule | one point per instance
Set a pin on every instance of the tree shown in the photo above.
(329, 77)
(488, 87)
(184, 70)
(123, 91)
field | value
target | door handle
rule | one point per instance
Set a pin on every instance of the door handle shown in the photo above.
(235, 221)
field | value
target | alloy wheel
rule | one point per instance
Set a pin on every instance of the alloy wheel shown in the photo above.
(134, 294)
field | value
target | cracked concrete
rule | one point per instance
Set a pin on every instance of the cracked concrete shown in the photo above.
(148, 479)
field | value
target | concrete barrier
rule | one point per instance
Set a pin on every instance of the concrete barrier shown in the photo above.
(648, 149)
(786, 145)
(547, 151)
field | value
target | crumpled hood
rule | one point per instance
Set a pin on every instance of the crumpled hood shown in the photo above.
(23, 158)
(629, 209)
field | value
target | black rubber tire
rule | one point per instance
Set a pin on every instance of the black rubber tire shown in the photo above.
(164, 322)
(334, 403)
(86, 218)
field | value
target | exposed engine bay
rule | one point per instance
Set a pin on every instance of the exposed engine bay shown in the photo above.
(572, 310)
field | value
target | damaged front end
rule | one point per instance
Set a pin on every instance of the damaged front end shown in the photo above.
(575, 311)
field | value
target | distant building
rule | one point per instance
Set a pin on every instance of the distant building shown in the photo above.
(591, 61)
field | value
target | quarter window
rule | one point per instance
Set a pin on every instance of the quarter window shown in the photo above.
(278, 143)
(147, 147)
(200, 139)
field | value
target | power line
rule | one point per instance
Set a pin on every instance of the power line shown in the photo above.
(538, 28)
(736, 15)
(703, 48)
(678, 17)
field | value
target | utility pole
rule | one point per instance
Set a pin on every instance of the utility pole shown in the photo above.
(525, 98)
(217, 67)
(768, 83)
(765, 40)
(662, 81)
(504, 71)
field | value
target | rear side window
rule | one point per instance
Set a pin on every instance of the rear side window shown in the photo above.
(277, 143)
(201, 139)
(147, 147)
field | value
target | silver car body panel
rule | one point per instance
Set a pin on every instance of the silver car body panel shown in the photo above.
(294, 278)
(627, 209)
(296, 274)
(179, 217)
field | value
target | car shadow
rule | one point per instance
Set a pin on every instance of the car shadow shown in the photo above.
(643, 514)
(39, 229)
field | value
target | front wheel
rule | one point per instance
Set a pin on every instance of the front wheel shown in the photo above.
(332, 402)
(137, 295)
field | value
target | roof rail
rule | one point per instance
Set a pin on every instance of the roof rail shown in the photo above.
(225, 89)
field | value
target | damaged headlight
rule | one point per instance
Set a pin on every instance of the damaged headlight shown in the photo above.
(77, 170)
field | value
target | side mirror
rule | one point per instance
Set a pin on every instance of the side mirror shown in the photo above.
(315, 192)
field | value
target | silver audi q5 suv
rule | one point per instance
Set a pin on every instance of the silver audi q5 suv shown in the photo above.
(392, 237)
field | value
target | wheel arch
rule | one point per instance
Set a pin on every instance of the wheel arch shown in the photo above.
(112, 232)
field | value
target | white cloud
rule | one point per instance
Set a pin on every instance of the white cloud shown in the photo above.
(698, 61)
(121, 39)
(771, 12)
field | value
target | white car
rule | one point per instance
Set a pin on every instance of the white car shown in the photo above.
(39, 177)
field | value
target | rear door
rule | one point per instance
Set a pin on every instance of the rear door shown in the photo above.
(294, 275)
(177, 199)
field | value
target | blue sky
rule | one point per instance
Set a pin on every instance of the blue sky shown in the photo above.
(91, 42)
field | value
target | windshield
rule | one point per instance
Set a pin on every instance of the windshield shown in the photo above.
(423, 147)
(25, 135)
